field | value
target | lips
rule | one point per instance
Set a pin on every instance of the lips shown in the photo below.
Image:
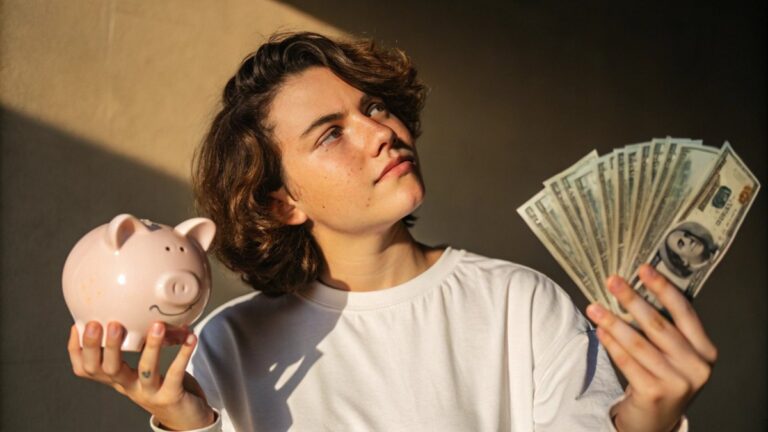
(393, 163)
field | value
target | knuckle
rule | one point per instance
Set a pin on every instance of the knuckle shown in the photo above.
(681, 387)
(621, 359)
(654, 393)
(637, 343)
(110, 369)
(703, 374)
(90, 369)
(713, 354)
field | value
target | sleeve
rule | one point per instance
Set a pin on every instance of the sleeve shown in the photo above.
(575, 385)
(215, 427)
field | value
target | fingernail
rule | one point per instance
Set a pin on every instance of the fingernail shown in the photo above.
(91, 330)
(649, 271)
(190, 339)
(157, 329)
(595, 311)
(114, 330)
(615, 285)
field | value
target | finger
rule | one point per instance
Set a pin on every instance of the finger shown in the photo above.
(637, 376)
(663, 333)
(75, 352)
(92, 349)
(685, 317)
(174, 377)
(149, 376)
(632, 343)
(113, 365)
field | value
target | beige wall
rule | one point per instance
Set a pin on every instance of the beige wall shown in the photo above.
(138, 78)
(103, 102)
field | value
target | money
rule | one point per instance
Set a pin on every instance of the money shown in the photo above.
(672, 202)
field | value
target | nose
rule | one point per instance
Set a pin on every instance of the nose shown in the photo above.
(380, 137)
(179, 288)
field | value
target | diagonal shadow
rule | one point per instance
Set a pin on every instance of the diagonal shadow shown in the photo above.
(55, 188)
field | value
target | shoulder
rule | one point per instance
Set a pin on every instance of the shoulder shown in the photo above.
(238, 316)
(530, 295)
(520, 279)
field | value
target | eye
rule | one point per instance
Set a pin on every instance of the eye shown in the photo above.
(378, 109)
(333, 134)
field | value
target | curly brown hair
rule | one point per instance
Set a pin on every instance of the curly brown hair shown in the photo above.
(238, 163)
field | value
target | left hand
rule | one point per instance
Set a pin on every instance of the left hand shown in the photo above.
(667, 366)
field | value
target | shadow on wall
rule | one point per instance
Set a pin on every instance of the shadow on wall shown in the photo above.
(55, 188)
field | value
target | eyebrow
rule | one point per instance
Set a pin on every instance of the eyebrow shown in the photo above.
(364, 100)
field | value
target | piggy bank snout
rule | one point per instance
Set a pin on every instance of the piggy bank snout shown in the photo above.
(178, 288)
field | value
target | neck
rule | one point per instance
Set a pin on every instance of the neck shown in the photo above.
(375, 262)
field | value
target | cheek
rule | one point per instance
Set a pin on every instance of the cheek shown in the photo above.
(336, 185)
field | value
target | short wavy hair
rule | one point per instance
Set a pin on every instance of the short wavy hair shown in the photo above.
(238, 164)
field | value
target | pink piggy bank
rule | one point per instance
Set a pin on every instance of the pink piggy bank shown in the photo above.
(137, 272)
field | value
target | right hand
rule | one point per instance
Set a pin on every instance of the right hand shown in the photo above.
(176, 399)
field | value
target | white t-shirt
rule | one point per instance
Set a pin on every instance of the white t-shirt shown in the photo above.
(471, 344)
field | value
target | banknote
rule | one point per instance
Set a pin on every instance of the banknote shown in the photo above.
(690, 166)
(673, 202)
(703, 230)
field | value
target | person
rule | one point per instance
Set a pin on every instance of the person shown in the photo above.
(311, 172)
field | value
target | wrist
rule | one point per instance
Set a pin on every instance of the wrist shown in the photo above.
(205, 419)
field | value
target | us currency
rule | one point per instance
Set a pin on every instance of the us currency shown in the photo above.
(630, 189)
(664, 173)
(564, 200)
(689, 166)
(604, 168)
(704, 228)
(620, 205)
(547, 224)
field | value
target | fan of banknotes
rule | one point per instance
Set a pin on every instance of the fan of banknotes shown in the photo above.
(671, 202)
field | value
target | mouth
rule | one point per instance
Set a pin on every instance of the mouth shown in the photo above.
(395, 162)
(160, 311)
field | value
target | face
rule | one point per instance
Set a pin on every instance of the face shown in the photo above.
(335, 142)
(686, 245)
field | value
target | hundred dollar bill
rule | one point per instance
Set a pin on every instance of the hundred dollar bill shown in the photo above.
(604, 168)
(630, 189)
(704, 228)
(658, 150)
(620, 205)
(537, 213)
(564, 200)
(588, 191)
(688, 166)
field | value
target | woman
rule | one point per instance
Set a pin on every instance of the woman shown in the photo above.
(311, 173)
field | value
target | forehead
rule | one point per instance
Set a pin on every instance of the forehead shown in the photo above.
(304, 97)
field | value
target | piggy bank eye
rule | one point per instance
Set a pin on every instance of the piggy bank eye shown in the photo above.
(181, 248)
(168, 248)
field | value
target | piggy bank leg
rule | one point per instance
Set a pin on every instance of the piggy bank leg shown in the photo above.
(134, 341)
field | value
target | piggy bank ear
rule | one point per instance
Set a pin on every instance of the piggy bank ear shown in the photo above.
(121, 228)
(200, 230)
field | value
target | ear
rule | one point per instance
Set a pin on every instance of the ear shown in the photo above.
(284, 208)
(200, 230)
(121, 228)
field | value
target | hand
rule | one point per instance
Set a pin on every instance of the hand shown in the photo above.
(176, 400)
(668, 366)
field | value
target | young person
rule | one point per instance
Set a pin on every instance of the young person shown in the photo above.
(311, 173)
